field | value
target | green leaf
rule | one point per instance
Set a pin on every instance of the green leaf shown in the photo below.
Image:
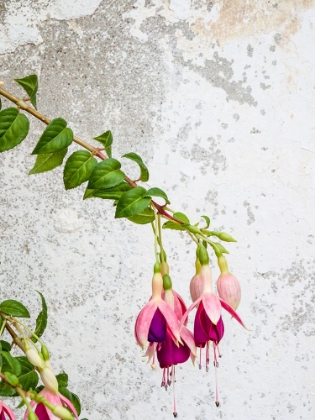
(62, 379)
(182, 217)
(0, 104)
(106, 174)
(144, 216)
(113, 193)
(6, 390)
(73, 398)
(144, 173)
(29, 380)
(48, 162)
(14, 308)
(132, 202)
(106, 139)
(13, 128)
(1, 323)
(26, 366)
(156, 192)
(173, 225)
(5, 346)
(41, 320)
(30, 85)
(78, 168)
(55, 137)
(207, 219)
(12, 364)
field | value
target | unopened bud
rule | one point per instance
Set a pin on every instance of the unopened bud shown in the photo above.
(45, 352)
(203, 255)
(48, 364)
(49, 380)
(226, 237)
(229, 289)
(196, 287)
(11, 378)
(167, 282)
(34, 358)
(62, 413)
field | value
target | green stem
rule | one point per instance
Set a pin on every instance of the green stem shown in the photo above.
(160, 236)
(27, 329)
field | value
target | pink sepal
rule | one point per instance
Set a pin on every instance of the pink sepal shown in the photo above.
(191, 307)
(212, 306)
(231, 311)
(143, 322)
(69, 404)
(171, 320)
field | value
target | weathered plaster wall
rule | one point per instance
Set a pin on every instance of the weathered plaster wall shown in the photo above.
(218, 98)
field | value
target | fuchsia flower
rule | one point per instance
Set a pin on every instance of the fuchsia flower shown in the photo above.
(168, 352)
(208, 325)
(6, 412)
(156, 317)
(58, 400)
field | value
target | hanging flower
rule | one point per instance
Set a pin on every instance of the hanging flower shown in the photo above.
(156, 317)
(208, 325)
(6, 412)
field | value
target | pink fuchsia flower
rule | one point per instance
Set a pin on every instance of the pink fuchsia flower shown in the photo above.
(208, 326)
(5, 412)
(169, 353)
(60, 407)
(156, 316)
(229, 288)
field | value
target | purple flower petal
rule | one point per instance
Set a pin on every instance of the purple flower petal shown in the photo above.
(200, 329)
(169, 354)
(157, 332)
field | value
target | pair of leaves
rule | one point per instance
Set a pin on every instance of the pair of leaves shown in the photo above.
(52, 146)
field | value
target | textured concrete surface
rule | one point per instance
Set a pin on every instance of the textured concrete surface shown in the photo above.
(218, 98)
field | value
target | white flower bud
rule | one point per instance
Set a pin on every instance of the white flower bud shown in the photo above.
(34, 358)
(49, 380)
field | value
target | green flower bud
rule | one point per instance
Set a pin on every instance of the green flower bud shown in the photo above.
(12, 379)
(45, 352)
(226, 237)
(62, 413)
(167, 282)
(157, 268)
(203, 255)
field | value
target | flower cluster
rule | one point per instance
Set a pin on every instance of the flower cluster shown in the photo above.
(163, 320)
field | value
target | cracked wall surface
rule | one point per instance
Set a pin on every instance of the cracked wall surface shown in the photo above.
(218, 99)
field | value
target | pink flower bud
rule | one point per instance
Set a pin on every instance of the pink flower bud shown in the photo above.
(196, 287)
(229, 289)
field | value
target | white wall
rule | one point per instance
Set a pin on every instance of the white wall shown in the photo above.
(218, 98)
